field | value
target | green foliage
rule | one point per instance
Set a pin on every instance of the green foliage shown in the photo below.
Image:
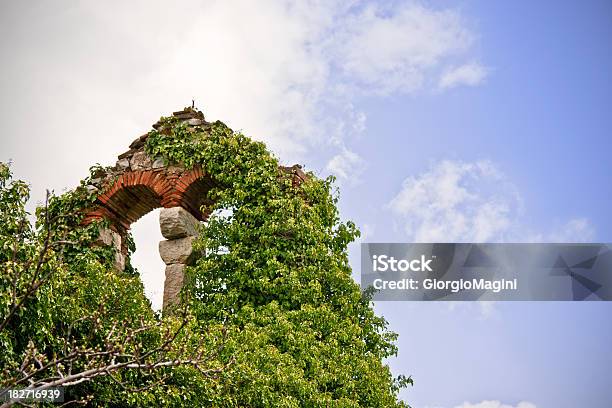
(271, 303)
(276, 269)
(61, 301)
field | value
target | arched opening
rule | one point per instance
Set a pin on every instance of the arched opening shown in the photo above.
(146, 259)
(163, 235)
(136, 208)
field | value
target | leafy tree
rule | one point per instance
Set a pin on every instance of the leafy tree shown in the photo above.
(68, 319)
(276, 271)
(269, 317)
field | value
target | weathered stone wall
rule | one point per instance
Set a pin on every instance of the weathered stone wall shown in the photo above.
(109, 237)
(137, 184)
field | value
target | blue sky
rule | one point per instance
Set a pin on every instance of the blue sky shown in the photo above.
(543, 117)
(443, 121)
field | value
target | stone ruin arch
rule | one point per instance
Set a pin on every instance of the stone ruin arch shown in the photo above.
(138, 184)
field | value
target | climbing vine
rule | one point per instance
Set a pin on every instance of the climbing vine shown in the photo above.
(276, 268)
(68, 318)
(269, 316)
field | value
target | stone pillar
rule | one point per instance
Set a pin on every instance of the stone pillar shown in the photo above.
(180, 229)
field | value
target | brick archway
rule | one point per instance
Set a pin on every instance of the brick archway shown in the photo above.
(138, 184)
(135, 193)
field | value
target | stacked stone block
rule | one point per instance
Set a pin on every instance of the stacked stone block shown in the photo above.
(180, 229)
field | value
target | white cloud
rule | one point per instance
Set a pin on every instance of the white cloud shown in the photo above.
(346, 165)
(279, 71)
(470, 74)
(456, 201)
(386, 51)
(282, 72)
(496, 404)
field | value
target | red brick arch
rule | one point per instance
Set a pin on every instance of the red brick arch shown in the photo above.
(138, 183)
(135, 193)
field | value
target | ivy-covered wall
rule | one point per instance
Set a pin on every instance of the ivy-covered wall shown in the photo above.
(142, 180)
(270, 298)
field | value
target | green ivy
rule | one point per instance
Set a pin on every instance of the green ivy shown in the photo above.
(276, 270)
(275, 276)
